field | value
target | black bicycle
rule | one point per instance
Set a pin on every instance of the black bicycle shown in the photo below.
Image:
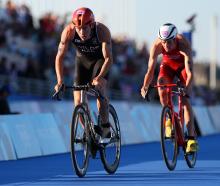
(85, 141)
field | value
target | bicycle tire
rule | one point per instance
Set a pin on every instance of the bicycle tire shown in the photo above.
(112, 167)
(170, 160)
(190, 157)
(80, 114)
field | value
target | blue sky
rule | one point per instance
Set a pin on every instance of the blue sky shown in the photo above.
(140, 19)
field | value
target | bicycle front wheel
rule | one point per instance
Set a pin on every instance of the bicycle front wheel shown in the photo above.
(110, 154)
(79, 141)
(169, 144)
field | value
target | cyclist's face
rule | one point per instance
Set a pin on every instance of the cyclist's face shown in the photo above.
(84, 32)
(169, 44)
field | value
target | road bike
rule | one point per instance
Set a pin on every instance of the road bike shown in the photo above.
(179, 134)
(85, 141)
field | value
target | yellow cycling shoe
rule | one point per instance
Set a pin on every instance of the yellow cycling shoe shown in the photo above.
(168, 128)
(192, 146)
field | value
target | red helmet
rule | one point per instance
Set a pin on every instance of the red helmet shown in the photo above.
(82, 16)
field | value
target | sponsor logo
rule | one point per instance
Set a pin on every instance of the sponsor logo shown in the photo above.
(87, 49)
(77, 41)
(164, 33)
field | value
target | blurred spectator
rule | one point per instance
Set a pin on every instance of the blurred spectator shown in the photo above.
(3, 68)
(28, 51)
(2, 38)
(11, 12)
(4, 106)
(25, 17)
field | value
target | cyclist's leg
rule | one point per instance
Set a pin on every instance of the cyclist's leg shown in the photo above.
(82, 76)
(192, 144)
(166, 75)
(102, 104)
(188, 112)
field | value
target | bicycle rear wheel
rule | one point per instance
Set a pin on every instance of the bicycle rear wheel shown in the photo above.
(169, 145)
(110, 154)
(79, 141)
(191, 159)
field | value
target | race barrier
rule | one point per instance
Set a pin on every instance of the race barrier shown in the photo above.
(43, 127)
(29, 135)
(204, 120)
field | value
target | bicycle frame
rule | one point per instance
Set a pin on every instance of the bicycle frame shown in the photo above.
(84, 102)
(177, 117)
(84, 91)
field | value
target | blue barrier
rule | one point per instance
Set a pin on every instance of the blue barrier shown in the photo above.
(31, 135)
(23, 136)
(203, 118)
(35, 134)
(48, 134)
(214, 112)
(6, 146)
(128, 129)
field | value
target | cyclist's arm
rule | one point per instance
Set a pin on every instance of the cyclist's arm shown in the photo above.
(105, 37)
(154, 52)
(185, 50)
(62, 48)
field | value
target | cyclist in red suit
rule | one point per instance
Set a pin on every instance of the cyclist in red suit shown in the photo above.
(92, 41)
(176, 61)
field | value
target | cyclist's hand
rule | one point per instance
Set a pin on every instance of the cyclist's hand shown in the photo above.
(58, 86)
(143, 91)
(99, 82)
(184, 91)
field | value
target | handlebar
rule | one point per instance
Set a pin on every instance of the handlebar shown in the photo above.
(181, 89)
(88, 88)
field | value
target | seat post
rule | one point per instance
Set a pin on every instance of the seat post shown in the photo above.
(82, 96)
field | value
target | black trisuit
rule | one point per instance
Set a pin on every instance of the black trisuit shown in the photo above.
(89, 58)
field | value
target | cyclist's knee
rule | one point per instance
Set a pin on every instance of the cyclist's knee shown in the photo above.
(162, 92)
(163, 97)
(102, 85)
(104, 101)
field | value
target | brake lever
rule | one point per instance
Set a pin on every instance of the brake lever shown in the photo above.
(56, 95)
(147, 93)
